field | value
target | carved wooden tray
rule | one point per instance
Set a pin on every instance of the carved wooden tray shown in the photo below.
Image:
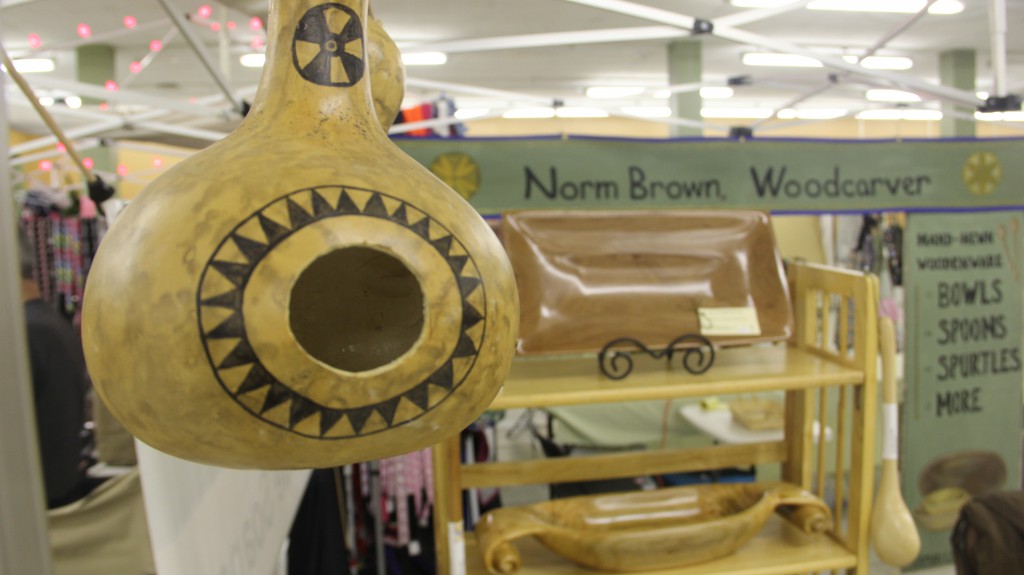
(587, 278)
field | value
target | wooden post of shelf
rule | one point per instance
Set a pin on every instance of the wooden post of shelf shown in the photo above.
(799, 408)
(862, 465)
(448, 524)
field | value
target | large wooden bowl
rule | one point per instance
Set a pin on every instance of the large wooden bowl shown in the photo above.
(646, 531)
(587, 278)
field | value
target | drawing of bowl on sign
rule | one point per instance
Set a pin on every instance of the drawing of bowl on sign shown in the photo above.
(652, 530)
(950, 481)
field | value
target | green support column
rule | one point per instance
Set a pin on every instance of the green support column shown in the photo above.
(685, 66)
(95, 66)
(957, 70)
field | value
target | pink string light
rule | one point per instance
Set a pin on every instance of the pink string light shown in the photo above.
(255, 24)
(88, 163)
(61, 147)
(84, 31)
(156, 46)
(257, 42)
(205, 11)
(232, 25)
(46, 165)
(158, 163)
(110, 85)
(122, 170)
(135, 67)
(130, 22)
(215, 26)
(34, 41)
(104, 106)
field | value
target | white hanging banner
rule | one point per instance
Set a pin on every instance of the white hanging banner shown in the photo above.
(213, 521)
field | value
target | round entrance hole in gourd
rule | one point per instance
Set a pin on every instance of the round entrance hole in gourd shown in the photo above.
(356, 309)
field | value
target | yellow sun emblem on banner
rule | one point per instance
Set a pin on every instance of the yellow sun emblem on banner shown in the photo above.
(459, 171)
(982, 173)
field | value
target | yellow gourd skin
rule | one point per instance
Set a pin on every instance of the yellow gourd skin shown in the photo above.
(191, 314)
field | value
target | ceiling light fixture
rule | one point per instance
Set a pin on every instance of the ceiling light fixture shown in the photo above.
(782, 60)
(529, 113)
(648, 111)
(812, 113)
(73, 102)
(253, 60)
(737, 113)
(580, 112)
(1000, 116)
(46, 101)
(760, 3)
(425, 59)
(471, 113)
(32, 65)
(897, 6)
(882, 62)
(606, 92)
(893, 114)
(887, 95)
(663, 94)
(716, 92)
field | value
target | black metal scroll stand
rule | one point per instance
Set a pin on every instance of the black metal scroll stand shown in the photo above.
(618, 363)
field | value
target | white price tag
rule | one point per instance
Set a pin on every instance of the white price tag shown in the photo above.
(729, 321)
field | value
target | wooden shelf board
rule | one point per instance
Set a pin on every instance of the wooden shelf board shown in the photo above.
(779, 549)
(577, 380)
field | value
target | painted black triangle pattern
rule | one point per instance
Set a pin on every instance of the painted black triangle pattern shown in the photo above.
(401, 215)
(252, 250)
(470, 317)
(420, 395)
(358, 417)
(302, 409)
(299, 217)
(375, 207)
(237, 274)
(388, 408)
(258, 378)
(346, 205)
(468, 285)
(230, 328)
(278, 395)
(444, 377)
(321, 208)
(465, 348)
(422, 228)
(241, 355)
(458, 263)
(230, 300)
(443, 245)
(275, 232)
(328, 419)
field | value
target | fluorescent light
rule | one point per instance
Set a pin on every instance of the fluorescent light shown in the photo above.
(529, 113)
(648, 111)
(46, 101)
(738, 113)
(425, 59)
(760, 3)
(812, 113)
(882, 62)
(471, 113)
(604, 92)
(898, 6)
(981, 95)
(886, 95)
(663, 94)
(898, 114)
(716, 92)
(73, 102)
(1000, 116)
(33, 65)
(254, 60)
(577, 112)
(774, 59)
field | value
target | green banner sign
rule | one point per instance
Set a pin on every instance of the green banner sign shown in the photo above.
(962, 409)
(579, 173)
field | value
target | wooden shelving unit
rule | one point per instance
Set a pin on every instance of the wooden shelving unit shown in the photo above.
(828, 366)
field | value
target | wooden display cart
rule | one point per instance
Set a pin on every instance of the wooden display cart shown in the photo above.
(827, 371)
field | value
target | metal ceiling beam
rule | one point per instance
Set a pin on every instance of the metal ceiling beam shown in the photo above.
(149, 58)
(197, 47)
(125, 97)
(476, 91)
(752, 39)
(630, 34)
(997, 13)
(751, 16)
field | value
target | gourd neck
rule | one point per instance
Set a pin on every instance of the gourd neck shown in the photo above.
(316, 79)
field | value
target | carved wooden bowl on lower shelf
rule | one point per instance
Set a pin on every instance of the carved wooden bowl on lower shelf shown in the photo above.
(645, 531)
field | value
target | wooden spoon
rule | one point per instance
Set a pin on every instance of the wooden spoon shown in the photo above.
(893, 531)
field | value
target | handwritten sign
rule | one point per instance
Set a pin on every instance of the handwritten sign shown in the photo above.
(962, 411)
